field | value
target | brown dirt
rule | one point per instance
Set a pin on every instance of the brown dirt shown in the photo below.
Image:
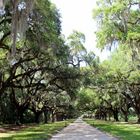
(11, 127)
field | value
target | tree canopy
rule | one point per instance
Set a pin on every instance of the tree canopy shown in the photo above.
(46, 77)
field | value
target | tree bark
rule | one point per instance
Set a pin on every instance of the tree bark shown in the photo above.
(37, 116)
(138, 121)
(53, 116)
(46, 116)
(116, 115)
(125, 113)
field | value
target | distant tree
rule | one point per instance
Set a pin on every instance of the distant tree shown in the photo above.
(77, 50)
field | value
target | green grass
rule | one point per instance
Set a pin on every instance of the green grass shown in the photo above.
(37, 132)
(123, 131)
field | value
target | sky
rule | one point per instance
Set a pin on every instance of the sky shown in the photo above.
(77, 15)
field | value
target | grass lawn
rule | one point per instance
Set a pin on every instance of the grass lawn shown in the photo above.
(36, 132)
(123, 131)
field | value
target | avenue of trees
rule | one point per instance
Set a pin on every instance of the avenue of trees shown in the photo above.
(39, 74)
(115, 83)
(45, 77)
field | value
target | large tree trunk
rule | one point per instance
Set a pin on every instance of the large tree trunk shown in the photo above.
(116, 115)
(20, 117)
(109, 115)
(138, 121)
(20, 111)
(46, 116)
(37, 116)
(138, 114)
(126, 117)
(19, 108)
(125, 113)
(105, 116)
(53, 116)
(137, 109)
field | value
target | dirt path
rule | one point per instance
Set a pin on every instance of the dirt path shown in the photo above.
(80, 130)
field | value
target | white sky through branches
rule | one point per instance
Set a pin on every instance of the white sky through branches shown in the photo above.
(77, 15)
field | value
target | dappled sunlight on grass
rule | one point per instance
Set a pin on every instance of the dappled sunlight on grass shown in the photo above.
(38, 132)
(124, 131)
(3, 135)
